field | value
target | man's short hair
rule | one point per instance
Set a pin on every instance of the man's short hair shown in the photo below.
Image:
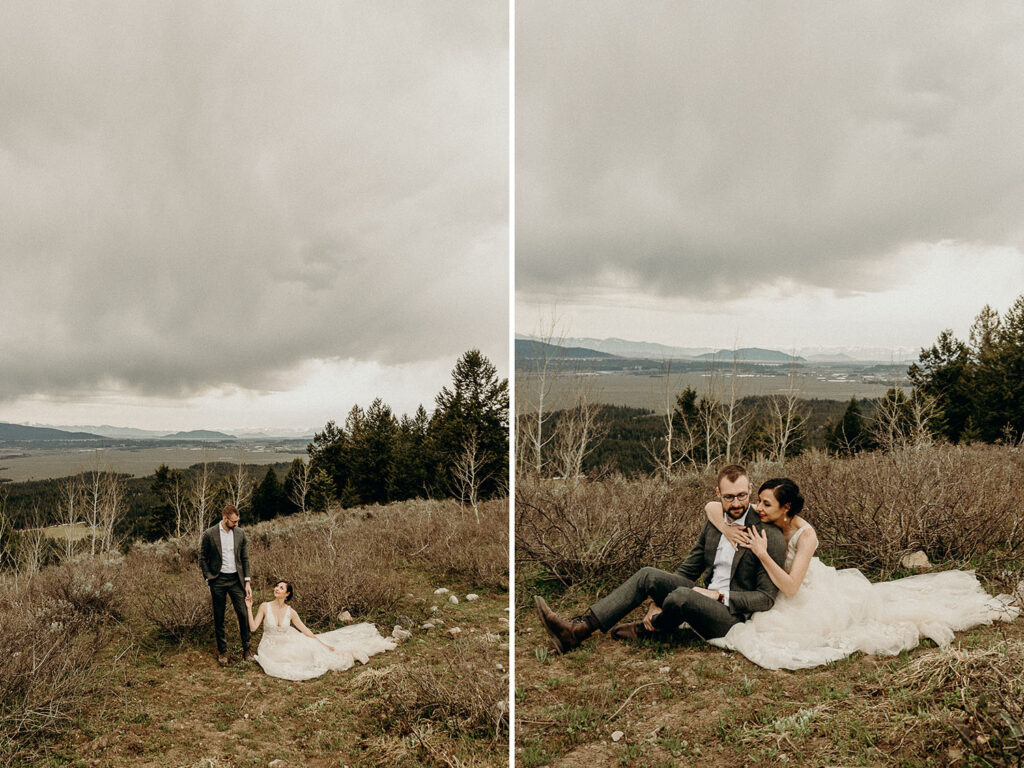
(229, 509)
(731, 472)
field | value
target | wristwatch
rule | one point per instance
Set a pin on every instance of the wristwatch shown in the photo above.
(721, 597)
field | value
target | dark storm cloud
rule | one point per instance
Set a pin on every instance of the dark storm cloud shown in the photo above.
(696, 149)
(202, 194)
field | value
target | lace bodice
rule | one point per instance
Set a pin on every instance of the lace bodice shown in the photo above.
(270, 623)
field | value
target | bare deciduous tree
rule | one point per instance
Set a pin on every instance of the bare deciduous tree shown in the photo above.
(534, 388)
(734, 418)
(70, 500)
(112, 509)
(468, 474)
(239, 486)
(786, 420)
(302, 483)
(177, 497)
(200, 500)
(578, 433)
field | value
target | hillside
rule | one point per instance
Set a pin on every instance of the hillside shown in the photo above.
(199, 434)
(538, 350)
(20, 432)
(751, 355)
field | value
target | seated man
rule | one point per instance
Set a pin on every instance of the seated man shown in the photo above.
(737, 583)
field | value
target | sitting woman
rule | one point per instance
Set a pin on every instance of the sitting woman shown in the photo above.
(290, 651)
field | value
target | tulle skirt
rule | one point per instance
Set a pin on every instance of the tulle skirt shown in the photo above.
(287, 653)
(838, 612)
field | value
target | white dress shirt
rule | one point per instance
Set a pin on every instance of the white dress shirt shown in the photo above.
(227, 550)
(721, 576)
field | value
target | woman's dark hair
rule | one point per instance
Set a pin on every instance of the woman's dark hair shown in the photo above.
(786, 492)
(288, 597)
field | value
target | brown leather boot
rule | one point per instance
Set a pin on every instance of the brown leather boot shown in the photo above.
(634, 630)
(566, 634)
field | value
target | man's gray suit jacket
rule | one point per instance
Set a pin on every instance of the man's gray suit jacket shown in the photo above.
(211, 556)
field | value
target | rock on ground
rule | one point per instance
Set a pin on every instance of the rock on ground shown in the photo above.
(916, 561)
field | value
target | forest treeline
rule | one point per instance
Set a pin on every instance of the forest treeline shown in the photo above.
(962, 392)
(459, 450)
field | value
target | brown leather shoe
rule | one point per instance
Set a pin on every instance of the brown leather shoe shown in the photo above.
(223, 659)
(634, 630)
(566, 634)
(246, 655)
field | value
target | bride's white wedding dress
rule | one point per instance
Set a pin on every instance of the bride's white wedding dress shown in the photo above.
(838, 612)
(287, 653)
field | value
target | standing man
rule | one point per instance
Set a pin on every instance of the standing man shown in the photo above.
(224, 559)
(737, 583)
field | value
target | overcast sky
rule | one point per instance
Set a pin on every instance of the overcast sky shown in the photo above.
(248, 214)
(776, 174)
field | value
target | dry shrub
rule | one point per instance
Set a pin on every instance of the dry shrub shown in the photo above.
(984, 690)
(87, 587)
(179, 608)
(331, 568)
(601, 532)
(47, 670)
(950, 501)
(466, 694)
(447, 541)
(179, 555)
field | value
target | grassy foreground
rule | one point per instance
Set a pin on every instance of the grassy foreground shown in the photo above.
(144, 688)
(685, 703)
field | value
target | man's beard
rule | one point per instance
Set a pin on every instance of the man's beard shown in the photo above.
(736, 514)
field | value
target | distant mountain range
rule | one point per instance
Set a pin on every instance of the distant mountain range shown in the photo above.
(644, 350)
(25, 432)
(636, 349)
(530, 349)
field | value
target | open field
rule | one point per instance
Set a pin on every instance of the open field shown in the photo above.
(17, 465)
(123, 669)
(684, 702)
(647, 390)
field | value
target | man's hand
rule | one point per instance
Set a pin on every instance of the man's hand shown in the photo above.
(248, 600)
(248, 591)
(649, 617)
(707, 592)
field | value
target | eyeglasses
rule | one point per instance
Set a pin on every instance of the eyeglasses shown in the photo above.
(731, 497)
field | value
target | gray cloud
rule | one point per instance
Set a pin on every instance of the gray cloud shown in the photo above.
(203, 194)
(698, 149)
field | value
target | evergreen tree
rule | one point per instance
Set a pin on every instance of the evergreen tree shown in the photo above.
(849, 435)
(476, 405)
(161, 519)
(943, 372)
(409, 471)
(329, 451)
(986, 397)
(321, 491)
(371, 444)
(268, 500)
(1009, 365)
